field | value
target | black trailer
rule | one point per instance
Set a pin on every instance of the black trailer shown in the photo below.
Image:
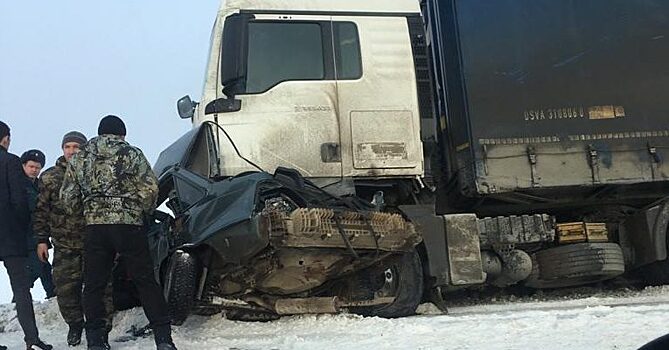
(547, 104)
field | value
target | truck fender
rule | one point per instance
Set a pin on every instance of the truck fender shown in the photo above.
(433, 249)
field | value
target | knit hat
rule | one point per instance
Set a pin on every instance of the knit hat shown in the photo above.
(111, 125)
(4, 130)
(35, 155)
(74, 136)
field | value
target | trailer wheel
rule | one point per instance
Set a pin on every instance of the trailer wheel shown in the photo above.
(399, 276)
(180, 285)
(576, 264)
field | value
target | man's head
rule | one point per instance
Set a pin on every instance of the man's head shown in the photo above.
(4, 135)
(33, 162)
(72, 141)
(111, 125)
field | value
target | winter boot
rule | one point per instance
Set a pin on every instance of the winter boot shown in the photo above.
(97, 339)
(74, 335)
(39, 345)
(163, 337)
(2, 347)
(103, 346)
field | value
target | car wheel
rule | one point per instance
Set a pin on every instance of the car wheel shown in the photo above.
(180, 285)
(399, 276)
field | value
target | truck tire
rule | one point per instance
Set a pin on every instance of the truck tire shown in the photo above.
(400, 276)
(180, 286)
(576, 264)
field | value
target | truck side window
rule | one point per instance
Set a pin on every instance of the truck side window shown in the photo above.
(347, 51)
(283, 51)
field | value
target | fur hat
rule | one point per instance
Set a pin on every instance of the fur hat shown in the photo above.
(35, 155)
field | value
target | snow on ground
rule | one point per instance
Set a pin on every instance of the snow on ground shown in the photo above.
(609, 320)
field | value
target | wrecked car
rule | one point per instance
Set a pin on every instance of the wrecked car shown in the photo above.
(261, 245)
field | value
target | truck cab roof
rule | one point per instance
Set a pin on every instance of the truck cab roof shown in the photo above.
(323, 6)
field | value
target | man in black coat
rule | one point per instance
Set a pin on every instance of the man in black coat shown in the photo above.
(33, 162)
(15, 219)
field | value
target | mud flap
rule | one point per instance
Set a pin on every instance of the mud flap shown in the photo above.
(464, 250)
(646, 234)
(452, 246)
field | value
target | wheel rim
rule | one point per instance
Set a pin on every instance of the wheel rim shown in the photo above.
(389, 283)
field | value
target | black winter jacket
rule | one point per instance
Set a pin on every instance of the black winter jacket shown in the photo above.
(14, 212)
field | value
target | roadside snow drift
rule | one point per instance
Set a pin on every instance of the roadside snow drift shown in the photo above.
(615, 321)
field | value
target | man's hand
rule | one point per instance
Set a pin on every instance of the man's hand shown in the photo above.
(43, 252)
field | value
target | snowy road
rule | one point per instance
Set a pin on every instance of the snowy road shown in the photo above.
(608, 321)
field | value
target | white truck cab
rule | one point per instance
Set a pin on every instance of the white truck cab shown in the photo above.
(328, 88)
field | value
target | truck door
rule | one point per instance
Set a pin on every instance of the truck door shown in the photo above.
(289, 103)
(377, 97)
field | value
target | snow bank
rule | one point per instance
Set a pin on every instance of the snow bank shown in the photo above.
(619, 320)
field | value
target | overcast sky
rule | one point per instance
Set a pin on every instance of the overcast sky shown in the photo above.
(65, 64)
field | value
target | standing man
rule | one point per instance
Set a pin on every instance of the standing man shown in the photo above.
(114, 184)
(15, 219)
(53, 225)
(33, 161)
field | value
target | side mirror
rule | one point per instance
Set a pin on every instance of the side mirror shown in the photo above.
(233, 54)
(186, 107)
(223, 105)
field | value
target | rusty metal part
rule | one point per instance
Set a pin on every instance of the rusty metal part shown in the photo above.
(295, 306)
(326, 228)
(322, 305)
(579, 232)
(571, 232)
(371, 302)
(596, 232)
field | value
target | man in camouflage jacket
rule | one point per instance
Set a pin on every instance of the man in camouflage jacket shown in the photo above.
(112, 182)
(53, 225)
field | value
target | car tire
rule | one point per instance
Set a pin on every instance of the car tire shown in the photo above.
(180, 286)
(576, 264)
(402, 276)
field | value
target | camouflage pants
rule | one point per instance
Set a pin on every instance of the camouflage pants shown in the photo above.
(68, 278)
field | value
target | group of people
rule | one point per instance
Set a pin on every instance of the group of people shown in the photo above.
(92, 207)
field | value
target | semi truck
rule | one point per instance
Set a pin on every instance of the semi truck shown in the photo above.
(525, 140)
